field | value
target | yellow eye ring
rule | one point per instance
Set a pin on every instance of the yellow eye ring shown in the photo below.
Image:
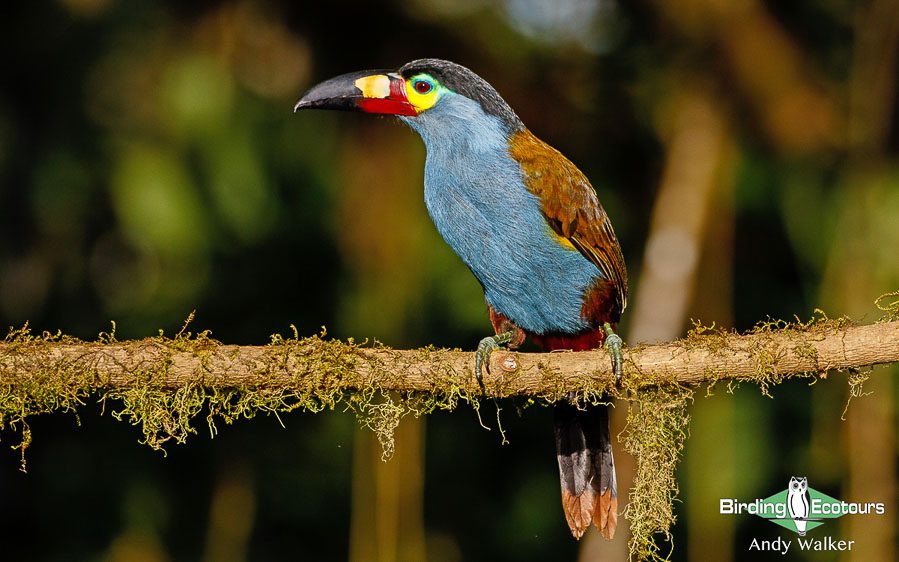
(423, 92)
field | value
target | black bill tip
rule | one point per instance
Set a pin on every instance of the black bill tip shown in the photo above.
(340, 92)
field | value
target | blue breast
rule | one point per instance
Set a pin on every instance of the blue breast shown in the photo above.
(476, 198)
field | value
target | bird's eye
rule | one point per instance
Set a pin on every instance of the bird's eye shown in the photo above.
(422, 87)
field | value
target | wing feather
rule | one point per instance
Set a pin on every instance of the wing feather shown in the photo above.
(571, 207)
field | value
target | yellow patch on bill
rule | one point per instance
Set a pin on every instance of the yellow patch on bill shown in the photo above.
(375, 86)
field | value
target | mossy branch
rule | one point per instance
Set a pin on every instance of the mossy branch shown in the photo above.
(162, 384)
(765, 355)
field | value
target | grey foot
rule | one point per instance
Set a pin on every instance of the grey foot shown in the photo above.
(613, 344)
(485, 348)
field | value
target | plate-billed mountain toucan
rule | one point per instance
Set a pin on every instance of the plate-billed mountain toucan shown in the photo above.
(528, 224)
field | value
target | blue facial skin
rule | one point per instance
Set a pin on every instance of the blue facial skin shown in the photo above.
(476, 197)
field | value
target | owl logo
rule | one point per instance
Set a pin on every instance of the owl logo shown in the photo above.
(798, 502)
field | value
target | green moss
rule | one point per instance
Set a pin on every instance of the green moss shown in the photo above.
(889, 303)
(761, 348)
(324, 374)
(657, 425)
(857, 379)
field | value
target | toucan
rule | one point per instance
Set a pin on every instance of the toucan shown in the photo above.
(529, 226)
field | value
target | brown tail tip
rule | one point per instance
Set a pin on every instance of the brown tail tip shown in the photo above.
(579, 510)
(606, 517)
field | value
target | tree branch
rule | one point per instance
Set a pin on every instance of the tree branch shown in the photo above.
(163, 383)
(768, 355)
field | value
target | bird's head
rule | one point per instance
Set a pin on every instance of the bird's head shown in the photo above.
(431, 95)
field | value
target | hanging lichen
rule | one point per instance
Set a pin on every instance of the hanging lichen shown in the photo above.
(657, 425)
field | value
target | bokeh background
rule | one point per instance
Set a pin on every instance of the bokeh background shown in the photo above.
(150, 165)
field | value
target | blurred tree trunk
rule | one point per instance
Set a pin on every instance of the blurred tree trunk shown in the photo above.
(380, 215)
(387, 522)
(868, 439)
(697, 179)
(231, 516)
(711, 462)
(858, 264)
(695, 155)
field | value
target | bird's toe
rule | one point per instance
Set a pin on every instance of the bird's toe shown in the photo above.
(613, 344)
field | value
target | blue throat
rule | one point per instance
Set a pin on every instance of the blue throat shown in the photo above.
(479, 204)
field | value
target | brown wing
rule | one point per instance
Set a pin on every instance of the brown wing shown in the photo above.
(571, 207)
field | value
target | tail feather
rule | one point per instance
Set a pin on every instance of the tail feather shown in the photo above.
(607, 514)
(586, 468)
